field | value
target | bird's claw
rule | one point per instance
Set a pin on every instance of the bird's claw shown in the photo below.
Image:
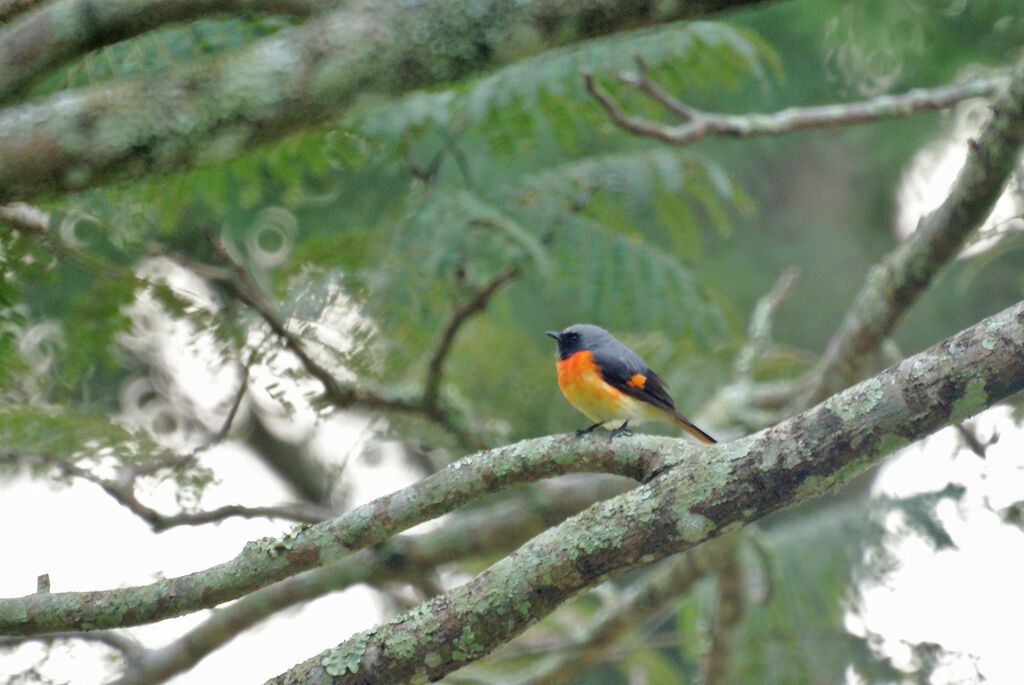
(621, 430)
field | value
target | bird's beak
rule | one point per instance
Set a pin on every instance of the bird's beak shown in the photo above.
(554, 334)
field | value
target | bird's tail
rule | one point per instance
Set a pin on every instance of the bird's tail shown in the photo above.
(685, 424)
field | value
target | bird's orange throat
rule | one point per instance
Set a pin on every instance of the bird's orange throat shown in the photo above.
(573, 370)
(581, 383)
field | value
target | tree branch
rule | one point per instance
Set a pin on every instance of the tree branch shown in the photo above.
(128, 646)
(9, 9)
(699, 124)
(122, 485)
(467, 535)
(346, 395)
(725, 565)
(58, 32)
(268, 560)
(735, 483)
(25, 218)
(203, 113)
(895, 284)
(462, 313)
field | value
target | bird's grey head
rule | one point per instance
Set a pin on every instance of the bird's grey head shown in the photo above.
(580, 336)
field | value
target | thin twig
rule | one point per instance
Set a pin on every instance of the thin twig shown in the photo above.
(974, 443)
(122, 489)
(152, 466)
(31, 220)
(428, 405)
(122, 486)
(474, 305)
(129, 648)
(700, 124)
(759, 329)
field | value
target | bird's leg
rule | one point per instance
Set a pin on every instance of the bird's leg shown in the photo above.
(621, 430)
(584, 431)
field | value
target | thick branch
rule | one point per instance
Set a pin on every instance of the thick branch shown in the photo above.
(470, 535)
(204, 113)
(58, 32)
(268, 560)
(736, 483)
(9, 9)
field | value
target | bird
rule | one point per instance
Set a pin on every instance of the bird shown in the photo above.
(608, 382)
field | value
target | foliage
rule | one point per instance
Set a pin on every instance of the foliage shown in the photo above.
(67, 435)
(363, 237)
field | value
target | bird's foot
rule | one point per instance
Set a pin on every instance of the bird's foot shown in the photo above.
(584, 431)
(621, 430)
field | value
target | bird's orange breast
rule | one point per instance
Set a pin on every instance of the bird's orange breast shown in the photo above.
(580, 379)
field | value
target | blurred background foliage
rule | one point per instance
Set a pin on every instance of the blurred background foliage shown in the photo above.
(403, 208)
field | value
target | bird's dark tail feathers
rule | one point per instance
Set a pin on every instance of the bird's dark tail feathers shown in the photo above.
(685, 424)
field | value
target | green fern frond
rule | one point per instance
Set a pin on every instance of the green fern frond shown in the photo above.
(606, 275)
(636, 192)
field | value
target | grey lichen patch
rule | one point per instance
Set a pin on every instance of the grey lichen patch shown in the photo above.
(522, 607)
(865, 397)
(432, 659)
(228, 143)
(357, 522)
(989, 343)
(996, 326)
(465, 647)
(922, 368)
(293, 538)
(692, 527)
(974, 400)
(592, 538)
(401, 645)
(346, 657)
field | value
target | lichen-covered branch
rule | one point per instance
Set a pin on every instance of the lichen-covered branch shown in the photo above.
(736, 483)
(203, 113)
(268, 560)
(57, 32)
(403, 558)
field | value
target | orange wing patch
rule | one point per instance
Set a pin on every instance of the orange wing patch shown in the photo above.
(637, 381)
